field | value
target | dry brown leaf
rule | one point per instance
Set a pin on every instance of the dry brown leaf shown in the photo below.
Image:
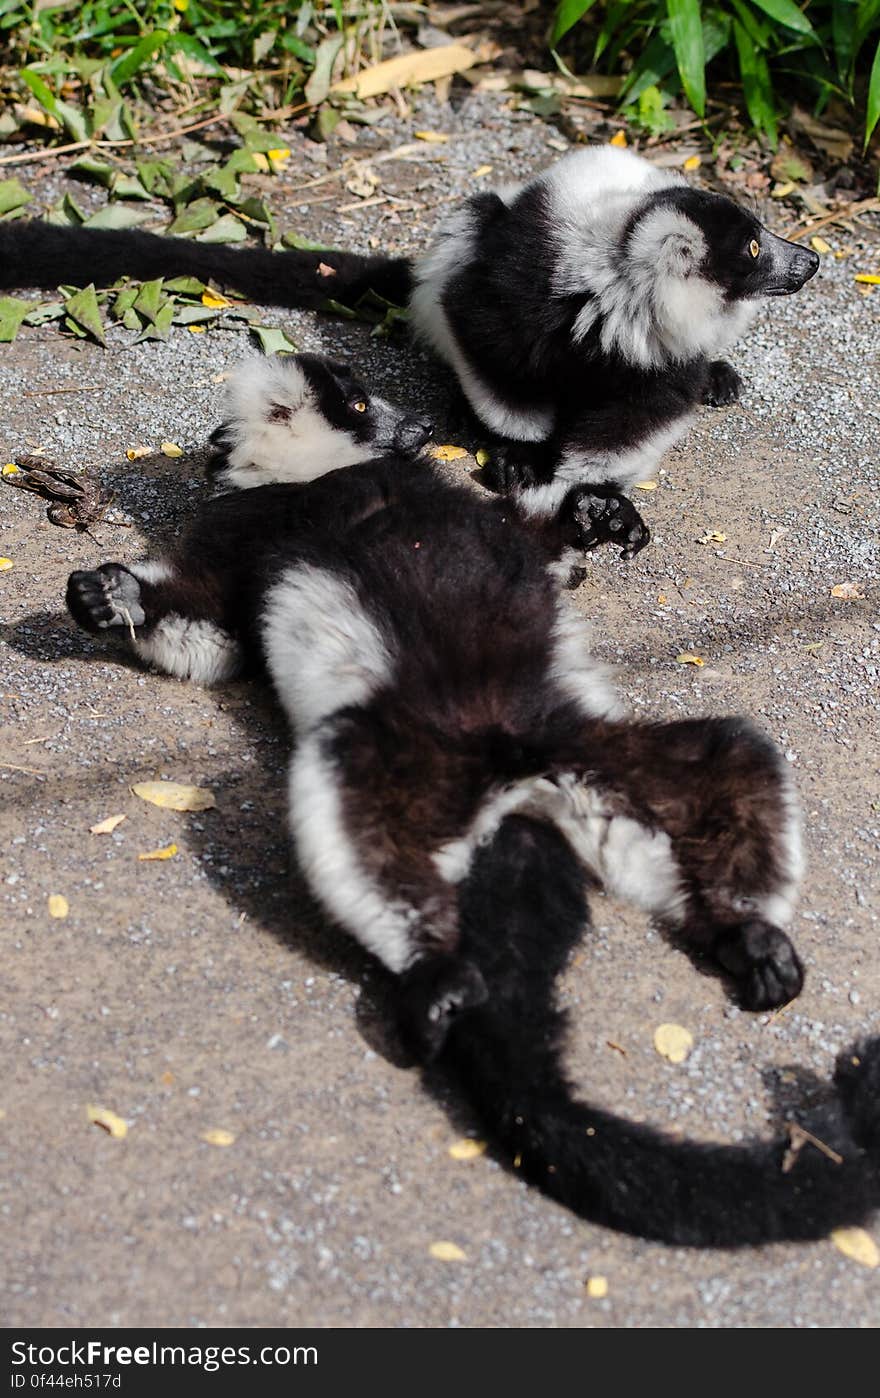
(218, 1137)
(167, 852)
(482, 170)
(363, 183)
(432, 136)
(673, 1041)
(171, 449)
(687, 659)
(58, 905)
(448, 453)
(662, 598)
(857, 1244)
(713, 536)
(782, 191)
(111, 1123)
(467, 1149)
(424, 66)
(175, 796)
(819, 244)
(447, 1252)
(596, 1287)
(106, 827)
(850, 591)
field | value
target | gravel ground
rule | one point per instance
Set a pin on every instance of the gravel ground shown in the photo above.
(205, 992)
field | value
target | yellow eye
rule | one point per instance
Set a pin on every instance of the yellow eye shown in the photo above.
(754, 247)
(360, 407)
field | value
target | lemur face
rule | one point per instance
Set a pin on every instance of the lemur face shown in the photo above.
(296, 419)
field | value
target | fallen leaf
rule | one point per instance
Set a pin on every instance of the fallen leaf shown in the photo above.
(174, 796)
(106, 827)
(447, 1252)
(482, 170)
(693, 162)
(111, 1123)
(196, 329)
(215, 299)
(467, 1149)
(687, 659)
(714, 536)
(167, 852)
(260, 161)
(448, 453)
(851, 591)
(58, 905)
(596, 1287)
(646, 485)
(775, 536)
(674, 1042)
(819, 244)
(218, 1137)
(868, 278)
(363, 183)
(424, 66)
(10, 469)
(171, 449)
(782, 191)
(618, 139)
(135, 453)
(6, 564)
(662, 598)
(857, 1244)
(437, 136)
(167, 1078)
(279, 155)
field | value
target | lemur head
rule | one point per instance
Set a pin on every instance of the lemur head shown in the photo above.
(297, 418)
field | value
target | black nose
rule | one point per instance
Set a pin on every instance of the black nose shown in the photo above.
(413, 434)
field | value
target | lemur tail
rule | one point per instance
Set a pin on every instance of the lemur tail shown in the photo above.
(525, 891)
(37, 254)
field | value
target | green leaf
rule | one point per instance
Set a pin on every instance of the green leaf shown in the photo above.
(150, 299)
(158, 328)
(224, 182)
(130, 62)
(655, 63)
(272, 341)
(71, 118)
(94, 171)
(12, 313)
(295, 240)
(82, 309)
(124, 302)
(13, 195)
(194, 315)
(567, 15)
(873, 111)
(50, 310)
(116, 216)
(185, 286)
(196, 216)
(66, 213)
(687, 39)
(154, 175)
(318, 85)
(786, 12)
(129, 187)
(227, 229)
(757, 87)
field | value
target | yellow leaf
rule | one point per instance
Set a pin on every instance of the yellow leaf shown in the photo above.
(868, 278)
(58, 905)
(111, 1123)
(218, 1137)
(662, 598)
(618, 139)
(674, 1042)
(781, 191)
(421, 66)
(448, 453)
(135, 453)
(279, 156)
(174, 796)
(260, 161)
(688, 659)
(482, 170)
(596, 1287)
(181, 6)
(857, 1244)
(850, 591)
(196, 329)
(467, 1149)
(10, 469)
(171, 449)
(167, 852)
(693, 162)
(6, 564)
(646, 485)
(447, 1252)
(215, 300)
(819, 244)
(430, 136)
(106, 827)
(713, 536)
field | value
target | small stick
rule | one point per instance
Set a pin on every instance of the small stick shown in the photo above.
(799, 1137)
(45, 392)
(31, 771)
(839, 217)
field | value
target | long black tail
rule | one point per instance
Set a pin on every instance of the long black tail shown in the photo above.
(37, 254)
(523, 907)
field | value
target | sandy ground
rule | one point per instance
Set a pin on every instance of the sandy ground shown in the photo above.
(206, 992)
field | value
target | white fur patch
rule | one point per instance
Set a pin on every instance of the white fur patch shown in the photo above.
(577, 467)
(276, 430)
(190, 650)
(151, 570)
(778, 907)
(324, 652)
(329, 860)
(575, 671)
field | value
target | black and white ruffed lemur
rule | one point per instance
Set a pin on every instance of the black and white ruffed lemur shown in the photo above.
(584, 312)
(462, 774)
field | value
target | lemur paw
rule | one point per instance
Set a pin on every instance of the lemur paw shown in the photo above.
(507, 469)
(610, 519)
(431, 995)
(764, 962)
(108, 596)
(724, 386)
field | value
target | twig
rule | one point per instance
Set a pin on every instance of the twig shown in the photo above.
(840, 216)
(107, 145)
(798, 1138)
(31, 771)
(45, 392)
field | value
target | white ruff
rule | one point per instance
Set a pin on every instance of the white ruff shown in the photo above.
(190, 650)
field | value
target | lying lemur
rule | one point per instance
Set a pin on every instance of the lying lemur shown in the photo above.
(583, 312)
(462, 774)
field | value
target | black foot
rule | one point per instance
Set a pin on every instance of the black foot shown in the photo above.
(764, 962)
(431, 995)
(610, 518)
(724, 386)
(108, 596)
(508, 468)
(857, 1077)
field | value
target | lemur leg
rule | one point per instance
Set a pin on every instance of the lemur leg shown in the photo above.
(724, 384)
(151, 604)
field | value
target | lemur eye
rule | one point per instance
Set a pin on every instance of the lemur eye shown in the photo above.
(360, 407)
(754, 247)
